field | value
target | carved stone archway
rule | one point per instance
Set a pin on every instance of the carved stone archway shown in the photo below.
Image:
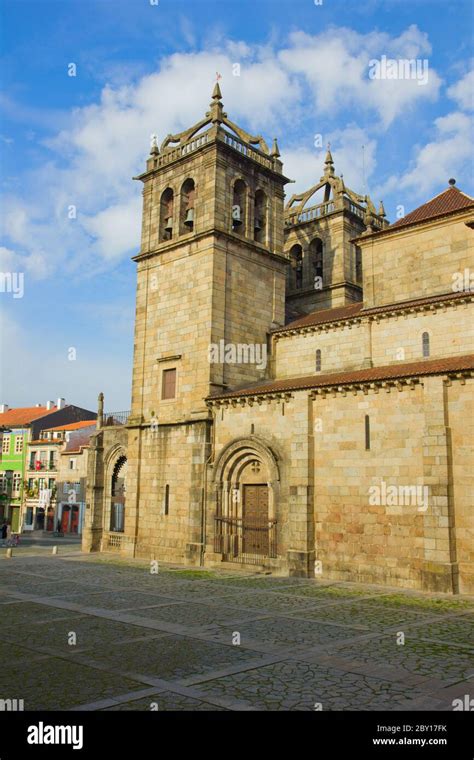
(115, 489)
(246, 468)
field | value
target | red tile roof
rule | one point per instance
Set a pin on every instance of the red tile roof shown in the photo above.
(322, 316)
(72, 426)
(78, 442)
(446, 202)
(23, 415)
(54, 441)
(340, 313)
(387, 372)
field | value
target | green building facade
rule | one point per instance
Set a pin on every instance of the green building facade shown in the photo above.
(12, 475)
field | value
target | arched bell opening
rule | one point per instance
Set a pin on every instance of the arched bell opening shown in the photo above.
(260, 221)
(166, 215)
(295, 272)
(187, 207)
(316, 263)
(239, 208)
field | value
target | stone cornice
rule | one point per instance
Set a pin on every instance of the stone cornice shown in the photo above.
(210, 232)
(377, 313)
(344, 389)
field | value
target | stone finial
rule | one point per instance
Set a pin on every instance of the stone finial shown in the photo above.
(216, 93)
(452, 182)
(381, 211)
(275, 153)
(154, 150)
(217, 110)
(328, 162)
(100, 410)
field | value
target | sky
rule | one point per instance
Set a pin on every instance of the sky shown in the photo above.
(70, 145)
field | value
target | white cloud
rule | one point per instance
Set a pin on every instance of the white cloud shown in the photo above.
(354, 162)
(102, 145)
(463, 91)
(336, 66)
(116, 229)
(448, 155)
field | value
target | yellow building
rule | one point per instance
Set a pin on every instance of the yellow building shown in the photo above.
(302, 376)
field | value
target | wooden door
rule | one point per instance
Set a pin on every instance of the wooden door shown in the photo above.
(65, 519)
(255, 519)
(75, 519)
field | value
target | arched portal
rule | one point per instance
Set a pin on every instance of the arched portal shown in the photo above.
(117, 495)
(247, 485)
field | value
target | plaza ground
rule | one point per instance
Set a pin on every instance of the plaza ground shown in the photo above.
(169, 641)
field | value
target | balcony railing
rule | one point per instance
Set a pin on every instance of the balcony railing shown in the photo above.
(246, 150)
(322, 209)
(248, 542)
(112, 419)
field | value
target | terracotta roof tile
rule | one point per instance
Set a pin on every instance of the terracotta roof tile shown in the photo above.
(77, 442)
(387, 372)
(327, 316)
(446, 202)
(72, 426)
(54, 441)
(322, 316)
(23, 415)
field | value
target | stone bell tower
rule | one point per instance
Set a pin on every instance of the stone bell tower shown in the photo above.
(210, 278)
(320, 226)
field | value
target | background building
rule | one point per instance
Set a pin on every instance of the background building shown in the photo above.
(72, 478)
(19, 427)
(43, 474)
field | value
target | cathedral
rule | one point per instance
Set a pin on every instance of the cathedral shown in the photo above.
(302, 376)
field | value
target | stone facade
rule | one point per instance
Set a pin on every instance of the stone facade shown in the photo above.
(330, 443)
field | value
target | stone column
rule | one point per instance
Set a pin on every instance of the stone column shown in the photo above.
(440, 569)
(301, 493)
(93, 520)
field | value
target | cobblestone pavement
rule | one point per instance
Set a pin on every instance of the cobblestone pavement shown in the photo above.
(90, 632)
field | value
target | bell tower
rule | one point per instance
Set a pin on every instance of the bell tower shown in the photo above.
(211, 276)
(211, 267)
(320, 225)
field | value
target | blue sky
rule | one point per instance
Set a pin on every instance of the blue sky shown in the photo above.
(144, 68)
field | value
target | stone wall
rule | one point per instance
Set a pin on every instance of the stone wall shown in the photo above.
(417, 261)
(392, 339)
(460, 412)
(387, 514)
(161, 527)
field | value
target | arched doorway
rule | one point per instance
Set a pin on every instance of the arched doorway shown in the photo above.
(247, 484)
(117, 496)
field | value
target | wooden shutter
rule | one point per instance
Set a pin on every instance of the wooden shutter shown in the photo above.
(169, 384)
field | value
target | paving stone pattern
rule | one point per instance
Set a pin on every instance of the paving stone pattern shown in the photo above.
(90, 633)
